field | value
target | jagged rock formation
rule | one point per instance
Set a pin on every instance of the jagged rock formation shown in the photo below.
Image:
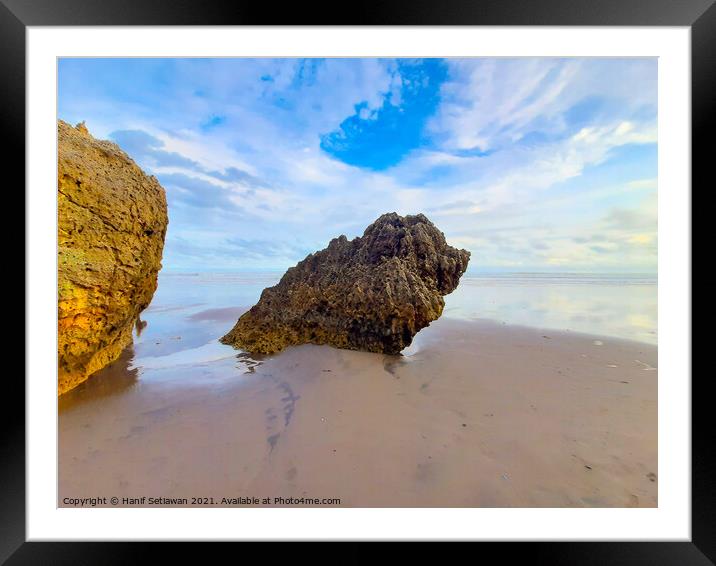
(112, 219)
(372, 293)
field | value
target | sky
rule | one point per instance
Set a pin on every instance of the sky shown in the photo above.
(532, 164)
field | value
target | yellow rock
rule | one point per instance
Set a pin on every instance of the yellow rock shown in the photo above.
(112, 219)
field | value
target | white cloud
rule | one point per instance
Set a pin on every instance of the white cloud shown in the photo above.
(510, 207)
(493, 102)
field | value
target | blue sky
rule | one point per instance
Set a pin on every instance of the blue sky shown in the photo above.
(533, 164)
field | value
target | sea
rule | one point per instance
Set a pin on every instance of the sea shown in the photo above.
(191, 310)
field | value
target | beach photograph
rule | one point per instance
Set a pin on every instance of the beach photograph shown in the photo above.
(357, 282)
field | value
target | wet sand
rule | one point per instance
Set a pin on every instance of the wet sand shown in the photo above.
(478, 414)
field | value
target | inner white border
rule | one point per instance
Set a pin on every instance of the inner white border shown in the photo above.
(671, 520)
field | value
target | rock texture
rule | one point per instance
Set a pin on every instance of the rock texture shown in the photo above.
(372, 293)
(112, 219)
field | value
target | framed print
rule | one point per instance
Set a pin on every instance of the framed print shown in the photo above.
(424, 275)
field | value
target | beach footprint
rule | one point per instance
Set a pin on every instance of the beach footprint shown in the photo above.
(289, 401)
(272, 430)
(284, 407)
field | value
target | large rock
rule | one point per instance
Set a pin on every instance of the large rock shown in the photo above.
(112, 219)
(372, 293)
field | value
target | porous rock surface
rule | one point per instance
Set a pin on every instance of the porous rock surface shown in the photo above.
(372, 293)
(112, 219)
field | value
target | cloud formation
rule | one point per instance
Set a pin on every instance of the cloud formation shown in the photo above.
(530, 163)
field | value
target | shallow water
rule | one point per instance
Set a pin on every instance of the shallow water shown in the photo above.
(190, 311)
(621, 306)
(176, 339)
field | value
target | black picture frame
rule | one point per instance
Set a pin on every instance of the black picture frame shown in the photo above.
(699, 15)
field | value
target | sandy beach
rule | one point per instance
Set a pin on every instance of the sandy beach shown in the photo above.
(476, 413)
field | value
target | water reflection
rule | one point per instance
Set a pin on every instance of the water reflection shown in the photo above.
(178, 334)
(610, 305)
(139, 326)
(117, 377)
